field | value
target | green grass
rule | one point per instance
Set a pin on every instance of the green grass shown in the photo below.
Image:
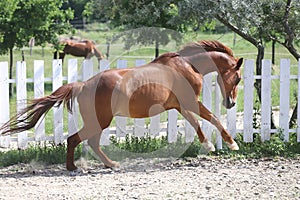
(46, 153)
(153, 147)
(149, 147)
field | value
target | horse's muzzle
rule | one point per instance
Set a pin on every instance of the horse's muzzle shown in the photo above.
(228, 103)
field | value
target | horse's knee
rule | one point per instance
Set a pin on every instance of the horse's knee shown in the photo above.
(94, 141)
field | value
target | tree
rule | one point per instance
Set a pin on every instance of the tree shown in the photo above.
(285, 30)
(136, 16)
(77, 5)
(257, 21)
(21, 20)
(243, 17)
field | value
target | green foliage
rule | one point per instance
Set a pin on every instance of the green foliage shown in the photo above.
(77, 5)
(46, 153)
(144, 22)
(256, 114)
(140, 144)
(149, 147)
(255, 20)
(257, 149)
(41, 19)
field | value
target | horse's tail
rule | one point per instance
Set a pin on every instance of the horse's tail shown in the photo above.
(29, 116)
(97, 53)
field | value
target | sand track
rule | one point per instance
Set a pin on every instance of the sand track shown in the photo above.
(197, 178)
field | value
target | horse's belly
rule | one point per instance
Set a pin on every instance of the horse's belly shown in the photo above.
(143, 102)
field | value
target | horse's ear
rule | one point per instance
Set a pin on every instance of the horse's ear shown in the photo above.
(239, 63)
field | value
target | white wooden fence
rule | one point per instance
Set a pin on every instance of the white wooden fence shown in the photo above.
(155, 127)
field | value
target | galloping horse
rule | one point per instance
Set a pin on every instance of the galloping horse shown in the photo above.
(83, 48)
(173, 80)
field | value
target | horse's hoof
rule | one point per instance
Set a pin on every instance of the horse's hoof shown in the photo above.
(209, 146)
(76, 172)
(71, 168)
(234, 146)
(112, 165)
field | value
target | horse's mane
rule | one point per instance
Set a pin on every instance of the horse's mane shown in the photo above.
(204, 46)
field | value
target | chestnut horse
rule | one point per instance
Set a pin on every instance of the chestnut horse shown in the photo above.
(83, 48)
(173, 80)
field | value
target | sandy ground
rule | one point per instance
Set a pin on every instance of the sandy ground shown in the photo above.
(197, 178)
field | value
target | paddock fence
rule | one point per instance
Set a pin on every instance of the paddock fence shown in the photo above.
(169, 123)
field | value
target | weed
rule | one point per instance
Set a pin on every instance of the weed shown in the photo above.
(47, 153)
(153, 147)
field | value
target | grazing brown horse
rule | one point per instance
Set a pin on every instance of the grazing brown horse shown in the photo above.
(83, 48)
(173, 80)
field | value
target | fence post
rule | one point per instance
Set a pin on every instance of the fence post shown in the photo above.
(284, 97)
(21, 99)
(218, 114)
(189, 132)
(248, 100)
(172, 125)
(105, 140)
(298, 104)
(39, 81)
(207, 102)
(73, 77)
(266, 101)
(231, 121)
(139, 124)
(121, 121)
(57, 111)
(4, 102)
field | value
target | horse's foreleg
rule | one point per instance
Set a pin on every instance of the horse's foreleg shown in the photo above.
(194, 122)
(94, 143)
(207, 115)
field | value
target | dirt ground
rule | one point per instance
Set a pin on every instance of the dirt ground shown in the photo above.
(196, 178)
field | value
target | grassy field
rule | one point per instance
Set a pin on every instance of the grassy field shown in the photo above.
(241, 49)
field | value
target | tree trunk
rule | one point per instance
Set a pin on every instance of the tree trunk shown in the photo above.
(273, 52)
(107, 50)
(10, 71)
(259, 58)
(294, 117)
(55, 55)
(296, 55)
(234, 39)
(156, 49)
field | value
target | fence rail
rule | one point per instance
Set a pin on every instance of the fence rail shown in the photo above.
(211, 98)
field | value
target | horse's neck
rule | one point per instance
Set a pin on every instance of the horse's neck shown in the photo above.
(202, 63)
(97, 52)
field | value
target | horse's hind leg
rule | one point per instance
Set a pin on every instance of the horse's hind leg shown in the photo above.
(94, 143)
(93, 136)
(73, 141)
(194, 122)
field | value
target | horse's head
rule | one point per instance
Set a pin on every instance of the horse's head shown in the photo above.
(229, 79)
